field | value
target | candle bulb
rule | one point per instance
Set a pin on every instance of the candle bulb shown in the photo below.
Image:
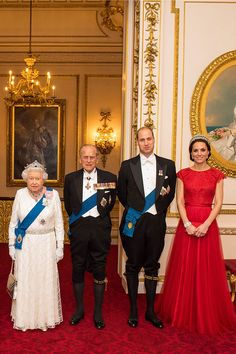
(53, 91)
(48, 78)
(10, 74)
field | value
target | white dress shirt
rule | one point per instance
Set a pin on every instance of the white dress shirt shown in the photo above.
(148, 167)
(89, 179)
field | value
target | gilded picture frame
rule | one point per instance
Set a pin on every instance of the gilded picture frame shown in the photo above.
(36, 132)
(213, 111)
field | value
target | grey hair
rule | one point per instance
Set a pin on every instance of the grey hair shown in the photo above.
(88, 145)
(34, 166)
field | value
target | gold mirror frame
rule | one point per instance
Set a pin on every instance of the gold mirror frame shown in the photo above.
(198, 108)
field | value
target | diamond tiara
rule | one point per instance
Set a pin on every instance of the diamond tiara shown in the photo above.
(35, 165)
(199, 137)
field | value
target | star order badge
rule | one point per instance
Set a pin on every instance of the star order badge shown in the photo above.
(103, 202)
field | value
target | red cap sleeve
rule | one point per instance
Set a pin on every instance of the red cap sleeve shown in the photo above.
(180, 175)
(220, 175)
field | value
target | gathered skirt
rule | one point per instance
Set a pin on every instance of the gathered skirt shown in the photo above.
(195, 294)
(38, 302)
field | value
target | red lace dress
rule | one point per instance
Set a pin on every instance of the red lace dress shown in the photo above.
(195, 294)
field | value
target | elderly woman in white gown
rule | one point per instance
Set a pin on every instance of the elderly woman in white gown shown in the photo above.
(36, 239)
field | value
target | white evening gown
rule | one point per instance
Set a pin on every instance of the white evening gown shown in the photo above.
(38, 302)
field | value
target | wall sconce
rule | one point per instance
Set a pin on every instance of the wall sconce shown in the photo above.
(105, 138)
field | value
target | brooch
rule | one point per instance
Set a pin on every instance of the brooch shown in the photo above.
(45, 202)
(42, 221)
(19, 238)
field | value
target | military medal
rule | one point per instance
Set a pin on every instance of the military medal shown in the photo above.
(160, 173)
(88, 185)
(105, 185)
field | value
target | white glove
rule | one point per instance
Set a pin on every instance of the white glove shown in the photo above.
(59, 254)
(12, 252)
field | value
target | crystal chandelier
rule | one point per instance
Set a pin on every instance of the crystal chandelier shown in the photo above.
(105, 139)
(28, 90)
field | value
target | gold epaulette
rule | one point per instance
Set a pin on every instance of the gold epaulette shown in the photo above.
(105, 185)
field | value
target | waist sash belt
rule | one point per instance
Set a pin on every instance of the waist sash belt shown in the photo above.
(27, 221)
(133, 215)
(88, 204)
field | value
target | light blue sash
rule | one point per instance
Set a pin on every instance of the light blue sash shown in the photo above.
(88, 204)
(28, 220)
(133, 215)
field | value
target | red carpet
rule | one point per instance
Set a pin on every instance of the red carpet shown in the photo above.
(117, 337)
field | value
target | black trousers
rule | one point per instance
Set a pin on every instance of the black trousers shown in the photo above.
(90, 240)
(145, 247)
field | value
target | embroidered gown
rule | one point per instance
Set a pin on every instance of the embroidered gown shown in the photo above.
(38, 302)
(195, 294)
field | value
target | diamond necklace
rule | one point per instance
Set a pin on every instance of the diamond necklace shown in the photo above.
(36, 195)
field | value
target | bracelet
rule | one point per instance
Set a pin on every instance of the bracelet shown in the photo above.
(187, 224)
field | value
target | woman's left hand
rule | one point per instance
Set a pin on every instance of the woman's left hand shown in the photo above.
(59, 254)
(201, 230)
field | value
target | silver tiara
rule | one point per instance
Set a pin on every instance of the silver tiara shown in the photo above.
(35, 165)
(199, 137)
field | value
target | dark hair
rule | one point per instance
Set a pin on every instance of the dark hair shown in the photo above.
(199, 140)
(142, 128)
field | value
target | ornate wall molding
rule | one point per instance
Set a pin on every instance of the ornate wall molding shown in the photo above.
(175, 11)
(136, 74)
(224, 231)
(151, 32)
(108, 14)
(5, 215)
(53, 3)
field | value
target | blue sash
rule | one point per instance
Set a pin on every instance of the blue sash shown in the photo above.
(86, 206)
(28, 220)
(133, 215)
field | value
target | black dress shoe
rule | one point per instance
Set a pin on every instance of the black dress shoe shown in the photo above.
(99, 324)
(75, 319)
(154, 321)
(132, 322)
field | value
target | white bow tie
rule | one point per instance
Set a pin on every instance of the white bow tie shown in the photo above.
(146, 161)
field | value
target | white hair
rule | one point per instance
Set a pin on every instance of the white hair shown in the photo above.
(34, 166)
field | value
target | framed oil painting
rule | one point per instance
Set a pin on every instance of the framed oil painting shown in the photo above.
(36, 132)
(213, 111)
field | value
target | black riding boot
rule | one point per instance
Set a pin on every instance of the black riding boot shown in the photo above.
(151, 285)
(99, 288)
(79, 297)
(132, 283)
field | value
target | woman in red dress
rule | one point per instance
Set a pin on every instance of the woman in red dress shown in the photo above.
(195, 293)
